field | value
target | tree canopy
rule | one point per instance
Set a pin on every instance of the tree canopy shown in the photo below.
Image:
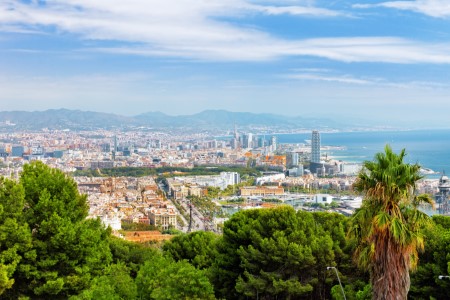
(198, 248)
(50, 250)
(388, 226)
(269, 253)
(59, 249)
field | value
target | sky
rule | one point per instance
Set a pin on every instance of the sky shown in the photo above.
(387, 61)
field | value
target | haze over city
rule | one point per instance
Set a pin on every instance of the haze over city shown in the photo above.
(335, 59)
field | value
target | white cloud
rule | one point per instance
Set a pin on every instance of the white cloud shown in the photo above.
(372, 49)
(339, 79)
(433, 8)
(18, 29)
(198, 30)
(298, 10)
(328, 75)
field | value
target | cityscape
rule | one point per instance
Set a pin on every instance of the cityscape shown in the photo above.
(229, 150)
(152, 187)
(300, 174)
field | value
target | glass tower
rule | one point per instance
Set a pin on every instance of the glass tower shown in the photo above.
(315, 146)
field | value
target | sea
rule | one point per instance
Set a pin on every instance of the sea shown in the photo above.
(429, 148)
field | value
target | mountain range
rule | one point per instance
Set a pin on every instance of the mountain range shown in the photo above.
(211, 120)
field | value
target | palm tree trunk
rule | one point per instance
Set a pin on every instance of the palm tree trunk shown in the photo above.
(390, 274)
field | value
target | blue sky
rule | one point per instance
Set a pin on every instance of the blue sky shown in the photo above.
(374, 60)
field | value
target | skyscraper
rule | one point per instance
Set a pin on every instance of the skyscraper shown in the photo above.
(247, 140)
(315, 146)
(261, 142)
(115, 148)
(292, 159)
(273, 143)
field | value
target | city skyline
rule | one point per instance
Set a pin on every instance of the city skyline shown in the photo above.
(379, 60)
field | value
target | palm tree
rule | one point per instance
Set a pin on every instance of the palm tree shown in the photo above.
(388, 225)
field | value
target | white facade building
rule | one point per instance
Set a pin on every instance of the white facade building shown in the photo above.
(323, 198)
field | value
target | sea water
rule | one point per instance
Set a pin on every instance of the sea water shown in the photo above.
(429, 148)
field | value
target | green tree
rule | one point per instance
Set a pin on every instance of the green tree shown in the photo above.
(116, 283)
(15, 236)
(164, 279)
(198, 248)
(205, 205)
(434, 261)
(275, 253)
(133, 255)
(388, 226)
(353, 279)
(213, 192)
(67, 250)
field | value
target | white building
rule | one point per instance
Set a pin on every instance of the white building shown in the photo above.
(113, 222)
(296, 171)
(353, 203)
(270, 178)
(292, 159)
(323, 198)
(230, 178)
(350, 168)
(165, 217)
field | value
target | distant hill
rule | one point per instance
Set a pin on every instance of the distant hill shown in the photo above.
(64, 119)
(206, 120)
(222, 119)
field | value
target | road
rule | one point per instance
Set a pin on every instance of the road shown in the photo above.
(197, 217)
(198, 222)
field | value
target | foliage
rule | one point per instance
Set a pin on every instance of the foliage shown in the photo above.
(233, 190)
(198, 248)
(388, 226)
(133, 255)
(271, 253)
(164, 279)
(15, 236)
(172, 231)
(213, 192)
(168, 171)
(334, 204)
(434, 262)
(236, 200)
(49, 250)
(205, 205)
(116, 283)
(358, 290)
(66, 249)
(272, 200)
(365, 293)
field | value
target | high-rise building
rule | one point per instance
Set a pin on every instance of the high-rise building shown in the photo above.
(234, 143)
(261, 142)
(247, 140)
(296, 171)
(273, 143)
(115, 148)
(292, 159)
(315, 146)
(230, 178)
